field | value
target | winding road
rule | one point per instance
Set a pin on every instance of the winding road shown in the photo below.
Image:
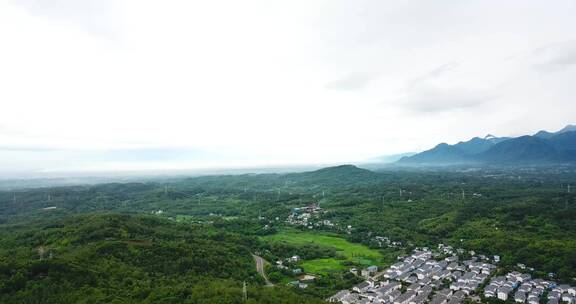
(260, 263)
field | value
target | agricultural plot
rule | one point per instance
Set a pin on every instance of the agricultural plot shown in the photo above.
(348, 253)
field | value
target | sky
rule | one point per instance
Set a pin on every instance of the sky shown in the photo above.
(110, 85)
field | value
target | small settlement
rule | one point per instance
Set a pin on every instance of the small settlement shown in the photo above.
(308, 216)
(435, 276)
(424, 277)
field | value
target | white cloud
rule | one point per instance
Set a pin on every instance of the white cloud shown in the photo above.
(555, 56)
(428, 99)
(351, 82)
(94, 16)
(253, 82)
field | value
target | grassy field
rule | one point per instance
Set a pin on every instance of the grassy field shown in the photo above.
(322, 266)
(350, 252)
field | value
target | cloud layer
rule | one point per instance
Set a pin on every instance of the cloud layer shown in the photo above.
(265, 83)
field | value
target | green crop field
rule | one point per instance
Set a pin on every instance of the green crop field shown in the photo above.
(349, 252)
(322, 266)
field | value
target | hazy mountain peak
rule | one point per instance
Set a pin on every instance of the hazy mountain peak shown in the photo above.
(442, 145)
(567, 128)
(543, 146)
(543, 134)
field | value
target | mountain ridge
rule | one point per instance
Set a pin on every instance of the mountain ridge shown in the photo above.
(542, 147)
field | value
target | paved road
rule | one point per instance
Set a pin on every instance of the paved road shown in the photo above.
(260, 263)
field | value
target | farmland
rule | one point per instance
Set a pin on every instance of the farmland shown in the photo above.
(347, 253)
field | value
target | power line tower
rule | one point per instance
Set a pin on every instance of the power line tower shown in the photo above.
(244, 292)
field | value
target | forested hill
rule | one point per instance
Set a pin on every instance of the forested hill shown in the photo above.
(55, 202)
(343, 176)
(111, 258)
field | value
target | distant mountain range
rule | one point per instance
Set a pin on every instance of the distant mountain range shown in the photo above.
(389, 158)
(542, 147)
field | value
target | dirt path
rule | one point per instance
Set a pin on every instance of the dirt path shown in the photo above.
(260, 263)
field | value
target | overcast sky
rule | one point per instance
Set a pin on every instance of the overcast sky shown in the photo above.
(114, 85)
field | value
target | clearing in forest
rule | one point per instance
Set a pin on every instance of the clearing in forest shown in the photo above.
(348, 252)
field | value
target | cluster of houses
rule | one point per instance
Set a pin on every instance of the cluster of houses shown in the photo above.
(289, 264)
(523, 289)
(440, 277)
(562, 293)
(303, 216)
(384, 241)
(423, 279)
(420, 278)
(303, 281)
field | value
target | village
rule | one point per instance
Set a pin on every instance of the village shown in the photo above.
(424, 278)
(304, 216)
(310, 217)
(435, 276)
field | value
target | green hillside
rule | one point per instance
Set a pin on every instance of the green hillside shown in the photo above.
(110, 258)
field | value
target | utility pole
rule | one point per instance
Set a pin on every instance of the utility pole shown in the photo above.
(244, 292)
(41, 252)
(463, 194)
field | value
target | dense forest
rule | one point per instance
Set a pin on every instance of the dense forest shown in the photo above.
(112, 258)
(190, 240)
